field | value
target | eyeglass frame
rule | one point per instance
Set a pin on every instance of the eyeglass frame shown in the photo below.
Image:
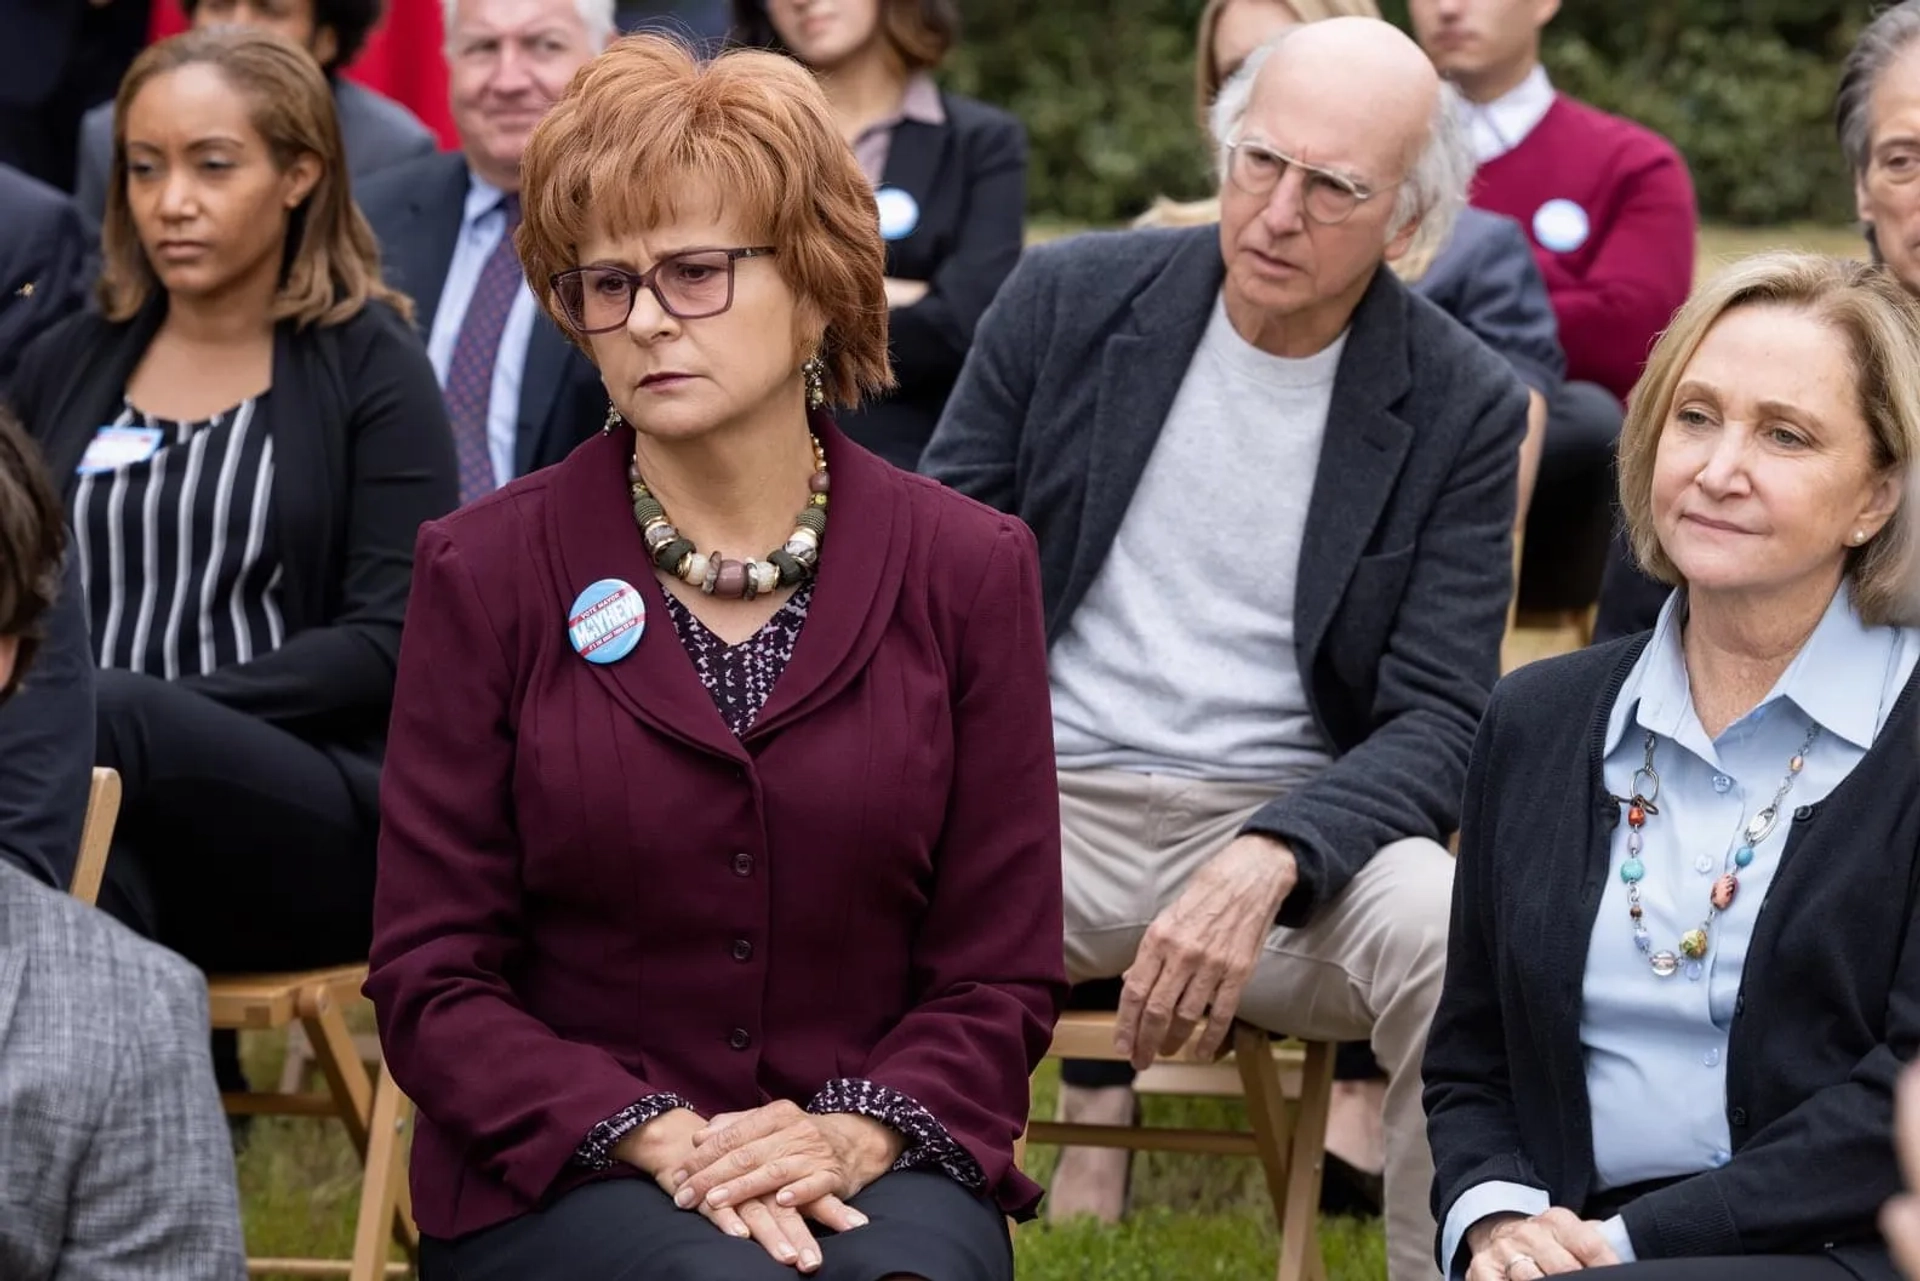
(1360, 191)
(636, 281)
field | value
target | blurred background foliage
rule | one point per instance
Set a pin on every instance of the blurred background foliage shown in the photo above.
(1743, 87)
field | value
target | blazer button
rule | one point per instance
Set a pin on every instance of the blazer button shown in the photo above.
(742, 950)
(1740, 1004)
(1738, 1116)
(740, 1039)
(743, 864)
(1801, 813)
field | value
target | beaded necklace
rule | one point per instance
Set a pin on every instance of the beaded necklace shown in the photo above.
(785, 566)
(1695, 942)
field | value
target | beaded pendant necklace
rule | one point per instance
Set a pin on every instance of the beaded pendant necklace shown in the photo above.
(1695, 943)
(785, 566)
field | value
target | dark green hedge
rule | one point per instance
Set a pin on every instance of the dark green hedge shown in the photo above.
(1743, 87)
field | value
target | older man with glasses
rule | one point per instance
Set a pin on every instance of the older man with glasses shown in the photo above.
(1273, 492)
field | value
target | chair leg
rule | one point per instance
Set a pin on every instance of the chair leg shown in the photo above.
(346, 1075)
(382, 1185)
(1267, 1111)
(1300, 1257)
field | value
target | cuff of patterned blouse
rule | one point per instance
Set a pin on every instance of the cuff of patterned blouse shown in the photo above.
(596, 1153)
(929, 1146)
(1475, 1204)
(1615, 1231)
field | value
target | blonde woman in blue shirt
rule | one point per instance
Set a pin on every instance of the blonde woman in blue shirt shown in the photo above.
(1680, 982)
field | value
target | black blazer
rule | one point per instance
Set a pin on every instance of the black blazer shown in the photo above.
(1406, 567)
(43, 263)
(416, 210)
(1828, 1011)
(969, 177)
(362, 453)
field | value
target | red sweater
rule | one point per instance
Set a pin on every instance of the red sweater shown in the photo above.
(1609, 208)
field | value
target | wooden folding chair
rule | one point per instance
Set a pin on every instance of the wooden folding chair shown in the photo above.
(96, 835)
(1288, 1088)
(373, 1110)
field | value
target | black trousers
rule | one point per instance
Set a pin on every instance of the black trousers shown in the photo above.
(1571, 518)
(920, 1225)
(239, 845)
(1746, 1267)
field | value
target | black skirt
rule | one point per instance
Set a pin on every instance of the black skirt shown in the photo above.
(920, 1225)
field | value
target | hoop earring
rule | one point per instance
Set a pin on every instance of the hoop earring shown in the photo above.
(814, 371)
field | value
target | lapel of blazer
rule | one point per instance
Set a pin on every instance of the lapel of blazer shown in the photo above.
(426, 244)
(861, 568)
(915, 160)
(13, 969)
(592, 517)
(540, 379)
(1141, 369)
(1366, 444)
(859, 579)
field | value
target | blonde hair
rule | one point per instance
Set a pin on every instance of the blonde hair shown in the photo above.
(647, 117)
(332, 265)
(1880, 324)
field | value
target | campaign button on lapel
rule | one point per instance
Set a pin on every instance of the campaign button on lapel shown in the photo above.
(606, 621)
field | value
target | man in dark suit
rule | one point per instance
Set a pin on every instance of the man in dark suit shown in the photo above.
(377, 131)
(57, 59)
(518, 394)
(1274, 494)
(43, 263)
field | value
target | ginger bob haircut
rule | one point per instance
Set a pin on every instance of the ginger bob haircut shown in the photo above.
(1880, 324)
(330, 268)
(647, 119)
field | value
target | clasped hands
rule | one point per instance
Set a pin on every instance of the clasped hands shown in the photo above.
(1514, 1248)
(1199, 954)
(765, 1174)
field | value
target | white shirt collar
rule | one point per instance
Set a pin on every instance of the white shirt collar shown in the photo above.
(1497, 127)
(483, 198)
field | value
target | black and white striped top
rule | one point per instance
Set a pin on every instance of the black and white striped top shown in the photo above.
(178, 551)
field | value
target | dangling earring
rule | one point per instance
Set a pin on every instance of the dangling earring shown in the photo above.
(613, 420)
(814, 370)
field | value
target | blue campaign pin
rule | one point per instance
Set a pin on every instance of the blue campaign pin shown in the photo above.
(1561, 225)
(899, 213)
(606, 621)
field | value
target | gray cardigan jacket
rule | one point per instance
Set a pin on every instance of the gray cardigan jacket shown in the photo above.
(1406, 566)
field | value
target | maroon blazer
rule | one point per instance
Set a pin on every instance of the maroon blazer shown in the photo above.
(590, 891)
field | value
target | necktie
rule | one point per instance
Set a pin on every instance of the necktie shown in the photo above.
(470, 373)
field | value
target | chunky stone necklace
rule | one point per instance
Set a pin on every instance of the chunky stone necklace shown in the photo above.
(1695, 942)
(785, 566)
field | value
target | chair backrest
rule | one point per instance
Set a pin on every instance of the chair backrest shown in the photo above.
(96, 835)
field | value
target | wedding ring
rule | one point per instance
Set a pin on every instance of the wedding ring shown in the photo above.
(1517, 1260)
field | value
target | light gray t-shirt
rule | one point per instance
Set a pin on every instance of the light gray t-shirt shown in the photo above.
(1181, 658)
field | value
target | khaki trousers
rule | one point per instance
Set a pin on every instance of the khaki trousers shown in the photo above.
(1367, 968)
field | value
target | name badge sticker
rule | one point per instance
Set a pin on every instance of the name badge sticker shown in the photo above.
(114, 447)
(606, 621)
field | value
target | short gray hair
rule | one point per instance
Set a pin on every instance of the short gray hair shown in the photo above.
(1884, 40)
(595, 15)
(1434, 190)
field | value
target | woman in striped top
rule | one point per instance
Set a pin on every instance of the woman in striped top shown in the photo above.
(248, 435)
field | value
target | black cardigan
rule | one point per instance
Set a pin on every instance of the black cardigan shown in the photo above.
(1828, 1010)
(969, 177)
(362, 455)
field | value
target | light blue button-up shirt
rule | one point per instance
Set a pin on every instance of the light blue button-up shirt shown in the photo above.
(1656, 1048)
(481, 225)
